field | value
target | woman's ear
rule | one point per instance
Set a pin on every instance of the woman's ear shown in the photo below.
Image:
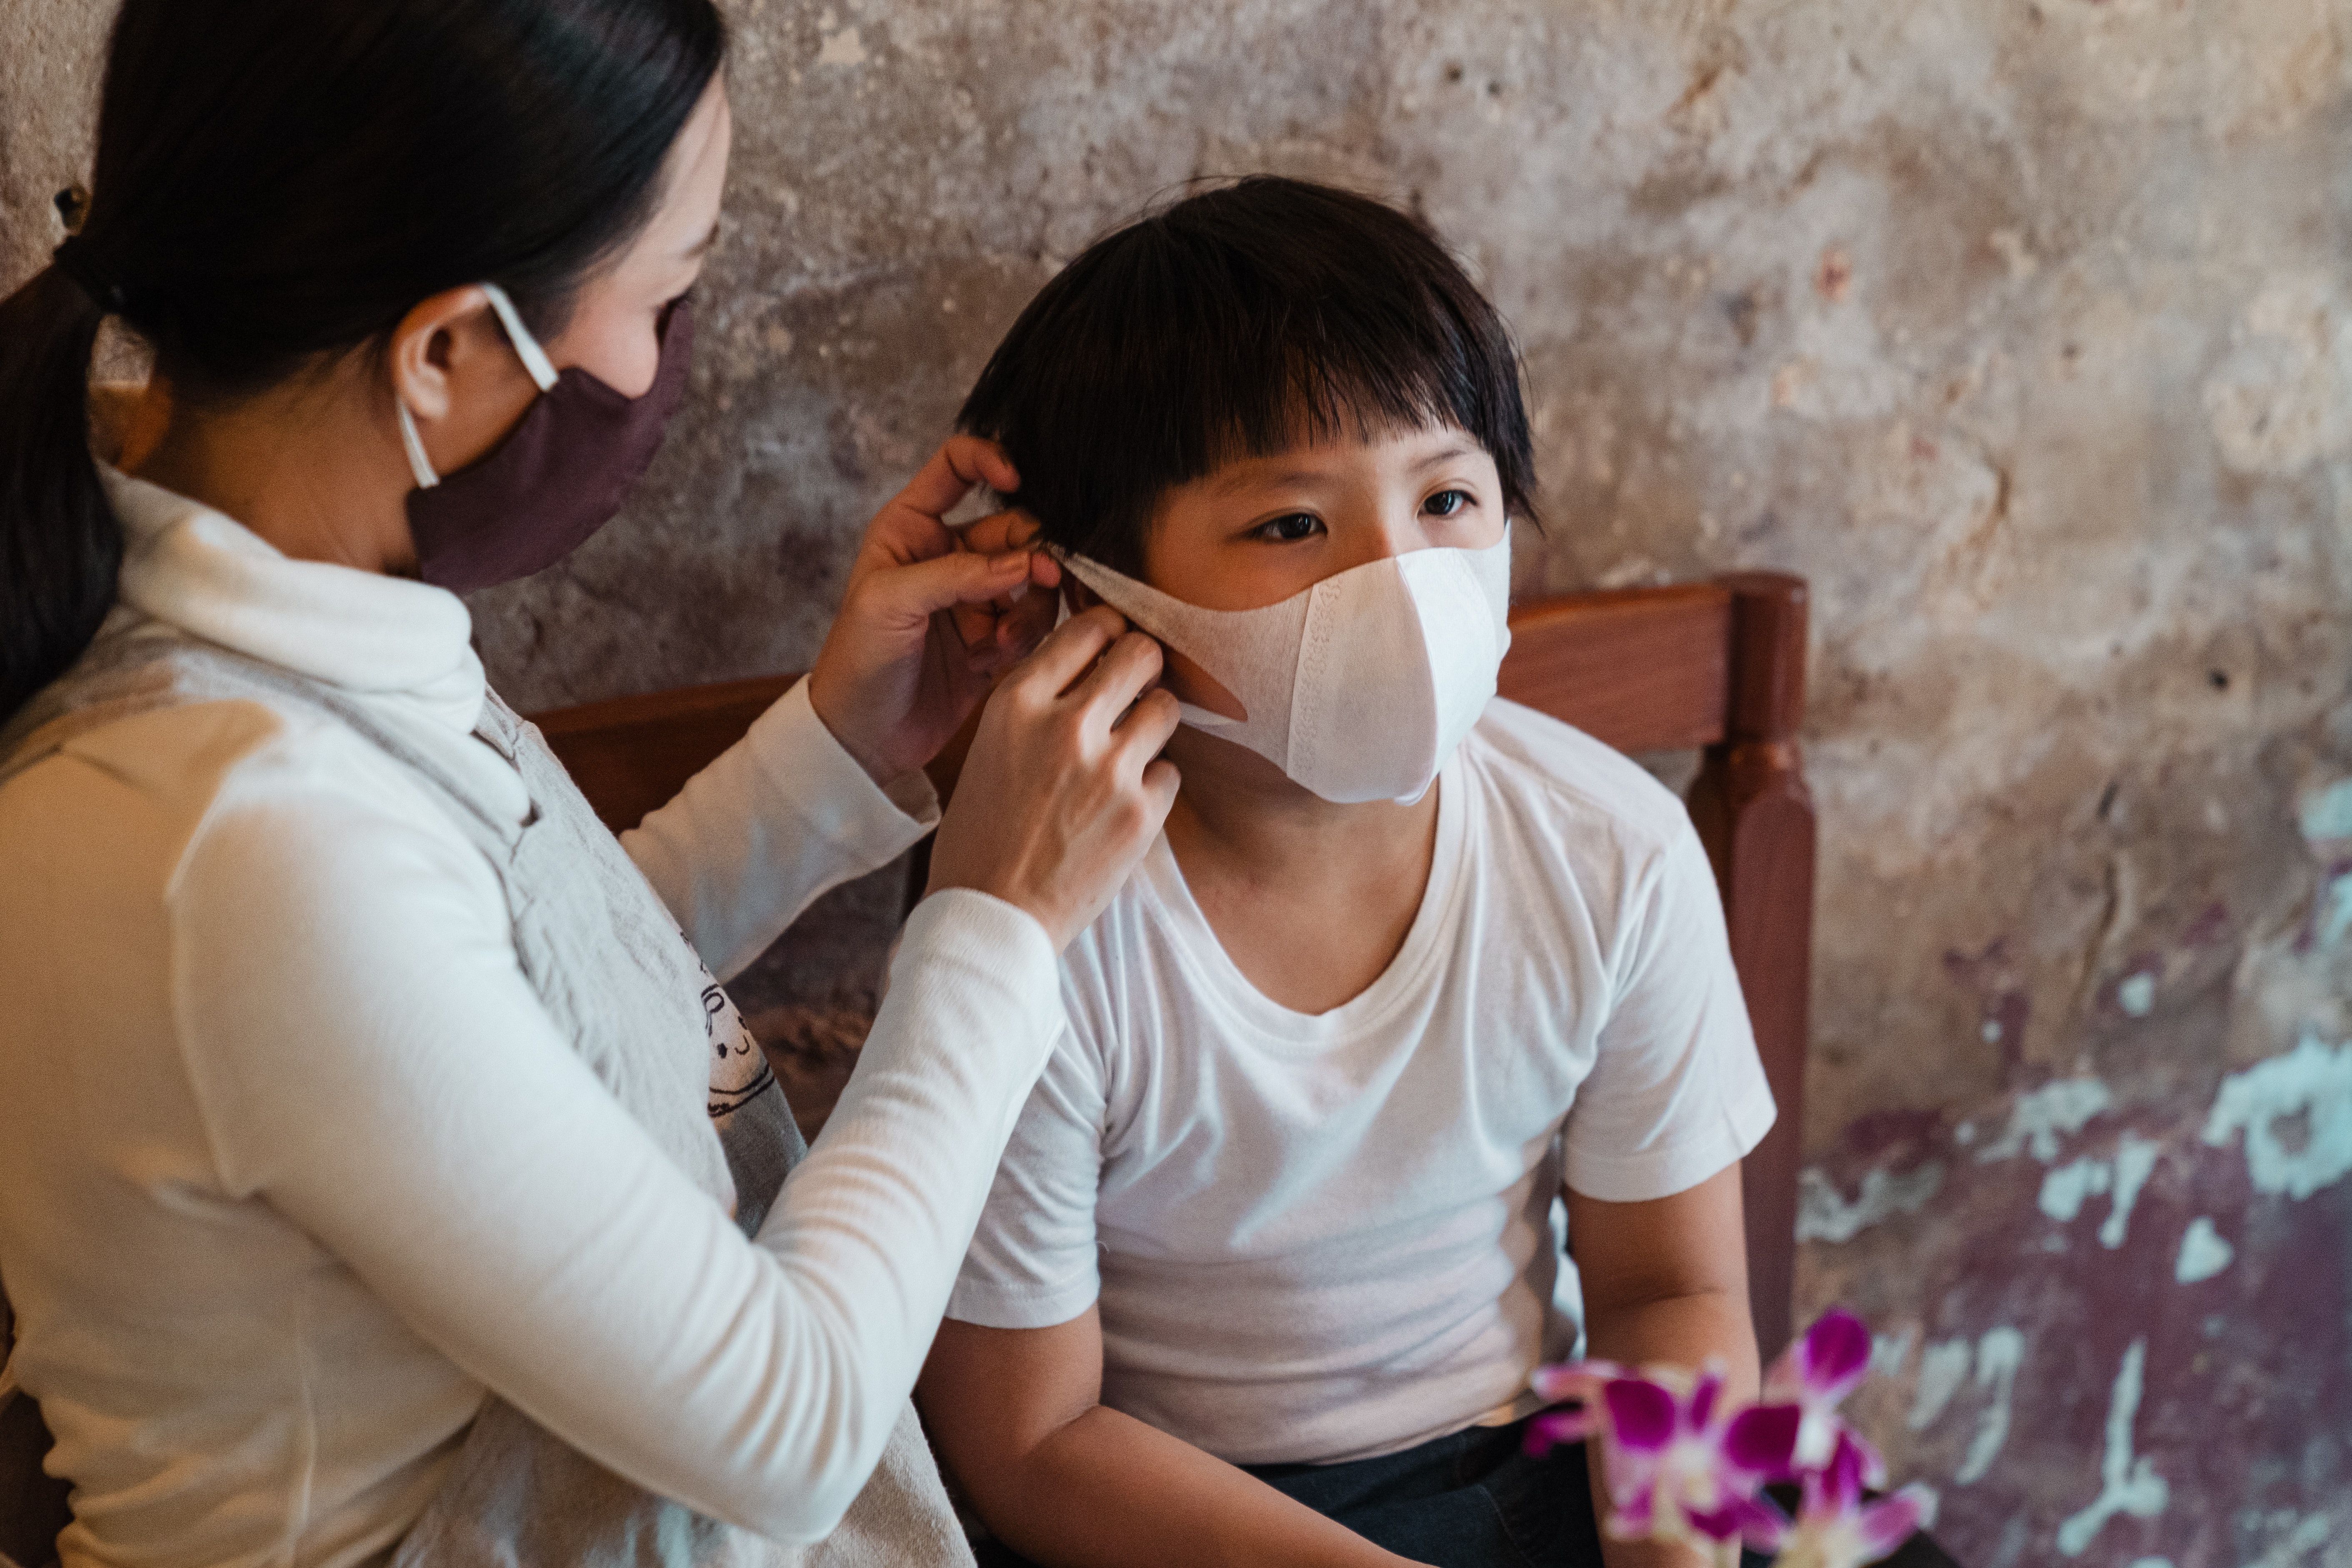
(425, 345)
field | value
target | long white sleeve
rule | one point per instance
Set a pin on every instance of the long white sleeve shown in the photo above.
(378, 1070)
(777, 818)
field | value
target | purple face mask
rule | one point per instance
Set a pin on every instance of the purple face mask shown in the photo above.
(561, 474)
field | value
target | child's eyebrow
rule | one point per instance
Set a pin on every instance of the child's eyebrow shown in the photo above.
(1453, 454)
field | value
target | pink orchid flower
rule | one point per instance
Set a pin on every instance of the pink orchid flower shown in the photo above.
(1834, 1529)
(1816, 1373)
(1682, 1464)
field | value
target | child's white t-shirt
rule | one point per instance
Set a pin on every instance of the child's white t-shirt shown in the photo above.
(1322, 1237)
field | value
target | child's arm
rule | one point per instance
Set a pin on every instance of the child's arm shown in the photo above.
(1665, 1280)
(1064, 1481)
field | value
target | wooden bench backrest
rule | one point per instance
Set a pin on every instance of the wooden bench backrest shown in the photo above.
(1718, 667)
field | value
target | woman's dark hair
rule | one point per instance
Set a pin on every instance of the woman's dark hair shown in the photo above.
(1237, 323)
(277, 180)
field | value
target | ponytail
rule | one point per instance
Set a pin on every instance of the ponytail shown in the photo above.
(60, 546)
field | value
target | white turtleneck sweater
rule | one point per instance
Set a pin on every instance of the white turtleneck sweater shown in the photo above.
(294, 1166)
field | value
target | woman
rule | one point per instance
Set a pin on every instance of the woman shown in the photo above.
(351, 1079)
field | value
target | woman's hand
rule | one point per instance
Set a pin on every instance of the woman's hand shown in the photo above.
(1064, 789)
(931, 614)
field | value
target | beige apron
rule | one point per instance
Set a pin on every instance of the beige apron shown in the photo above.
(626, 988)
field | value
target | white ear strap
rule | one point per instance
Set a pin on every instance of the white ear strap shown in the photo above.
(420, 467)
(526, 347)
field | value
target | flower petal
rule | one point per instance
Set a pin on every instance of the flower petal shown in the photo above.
(1554, 1427)
(1839, 1480)
(1632, 1512)
(1835, 1356)
(1715, 1523)
(1641, 1414)
(1761, 1441)
(1572, 1379)
(1889, 1522)
(1699, 1415)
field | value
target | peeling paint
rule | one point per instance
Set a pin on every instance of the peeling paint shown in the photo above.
(2328, 813)
(2135, 1163)
(2000, 1354)
(1943, 1367)
(2313, 1081)
(2299, 1538)
(2136, 994)
(2127, 1486)
(2038, 1117)
(2204, 1253)
(1824, 1214)
(2065, 1189)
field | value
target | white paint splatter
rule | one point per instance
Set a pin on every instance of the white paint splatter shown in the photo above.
(1943, 1367)
(2328, 813)
(1889, 1352)
(2338, 919)
(1824, 1214)
(2065, 1189)
(2125, 1484)
(2136, 994)
(2153, 1562)
(2135, 1163)
(2040, 1117)
(2204, 1252)
(2313, 1081)
(1965, 1133)
(842, 48)
(2305, 1537)
(1998, 1355)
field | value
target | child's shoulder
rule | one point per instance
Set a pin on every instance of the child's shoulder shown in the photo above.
(1533, 762)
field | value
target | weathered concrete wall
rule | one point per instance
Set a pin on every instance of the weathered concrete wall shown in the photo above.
(2023, 330)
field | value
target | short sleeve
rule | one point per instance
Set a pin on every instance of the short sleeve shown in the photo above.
(1676, 1092)
(1033, 1261)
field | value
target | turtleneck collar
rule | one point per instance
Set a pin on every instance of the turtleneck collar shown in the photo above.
(191, 567)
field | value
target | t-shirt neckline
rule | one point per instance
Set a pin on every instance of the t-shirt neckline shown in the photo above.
(1223, 984)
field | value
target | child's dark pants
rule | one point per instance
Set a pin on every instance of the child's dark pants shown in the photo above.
(1473, 1499)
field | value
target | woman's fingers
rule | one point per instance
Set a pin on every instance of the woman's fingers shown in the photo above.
(1067, 653)
(914, 593)
(961, 463)
(1124, 673)
(1001, 531)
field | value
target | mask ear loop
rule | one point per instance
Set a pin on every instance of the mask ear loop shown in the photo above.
(526, 347)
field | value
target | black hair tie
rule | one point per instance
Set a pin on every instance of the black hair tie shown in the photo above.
(72, 259)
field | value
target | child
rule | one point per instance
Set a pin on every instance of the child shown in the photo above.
(1420, 992)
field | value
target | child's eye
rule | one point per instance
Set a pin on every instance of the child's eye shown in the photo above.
(1445, 503)
(1290, 530)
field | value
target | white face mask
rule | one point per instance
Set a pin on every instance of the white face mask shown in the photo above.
(1359, 688)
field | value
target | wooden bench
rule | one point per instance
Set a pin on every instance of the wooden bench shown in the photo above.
(1715, 666)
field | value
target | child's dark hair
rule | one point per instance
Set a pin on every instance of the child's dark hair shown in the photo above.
(1231, 325)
